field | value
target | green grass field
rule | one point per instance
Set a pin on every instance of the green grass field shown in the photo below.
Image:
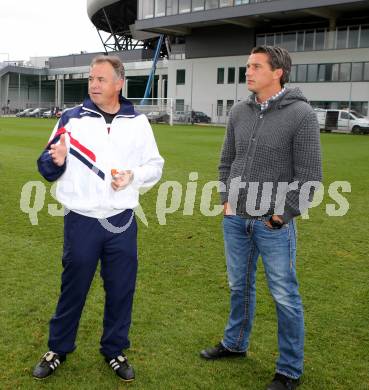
(181, 303)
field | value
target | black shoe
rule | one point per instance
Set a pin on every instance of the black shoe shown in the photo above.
(218, 352)
(282, 382)
(47, 365)
(121, 367)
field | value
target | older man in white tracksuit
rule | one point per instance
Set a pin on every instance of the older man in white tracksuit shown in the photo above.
(100, 153)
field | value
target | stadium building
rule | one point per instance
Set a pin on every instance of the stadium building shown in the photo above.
(202, 48)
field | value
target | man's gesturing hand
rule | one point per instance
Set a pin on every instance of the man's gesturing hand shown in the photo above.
(58, 152)
(121, 180)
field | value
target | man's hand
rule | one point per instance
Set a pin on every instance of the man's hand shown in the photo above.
(227, 210)
(58, 152)
(275, 218)
(121, 180)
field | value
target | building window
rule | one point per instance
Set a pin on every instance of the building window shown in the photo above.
(210, 4)
(366, 71)
(353, 40)
(270, 40)
(341, 38)
(220, 76)
(225, 3)
(159, 7)
(181, 76)
(231, 75)
(260, 40)
(300, 40)
(335, 72)
(179, 104)
(229, 106)
(219, 107)
(364, 36)
(322, 76)
(319, 39)
(309, 41)
(289, 41)
(147, 9)
(197, 5)
(345, 71)
(242, 75)
(278, 39)
(301, 73)
(293, 74)
(312, 73)
(184, 6)
(172, 7)
(357, 71)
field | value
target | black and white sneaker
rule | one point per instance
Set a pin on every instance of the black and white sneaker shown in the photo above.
(47, 365)
(121, 367)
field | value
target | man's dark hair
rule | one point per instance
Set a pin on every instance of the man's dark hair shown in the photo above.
(279, 58)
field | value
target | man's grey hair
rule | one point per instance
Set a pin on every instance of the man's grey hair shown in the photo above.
(279, 58)
(114, 61)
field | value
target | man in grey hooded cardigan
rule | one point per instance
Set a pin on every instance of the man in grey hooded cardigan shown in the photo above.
(269, 168)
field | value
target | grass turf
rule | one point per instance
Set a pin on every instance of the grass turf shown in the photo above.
(181, 302)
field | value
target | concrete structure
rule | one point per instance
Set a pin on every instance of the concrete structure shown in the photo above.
(328, 41)
(208, 43)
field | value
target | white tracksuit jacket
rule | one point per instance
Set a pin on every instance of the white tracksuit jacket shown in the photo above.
(84, 181)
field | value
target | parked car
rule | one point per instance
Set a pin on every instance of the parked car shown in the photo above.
(37, 112)
(342, 121)
(158, 117)
(23, 113)
(199, 117)
(47, 114)
(182, 116)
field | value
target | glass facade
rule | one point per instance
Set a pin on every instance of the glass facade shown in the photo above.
(172, 7)
(347, 37)
(211, 4)
(197, 5)
(344, 72)
(304, 73)
(160, 7)
(146, 9)
(184, 6)
(156, 8)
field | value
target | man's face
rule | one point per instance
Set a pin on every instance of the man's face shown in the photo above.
(259, 73)
(103, 84)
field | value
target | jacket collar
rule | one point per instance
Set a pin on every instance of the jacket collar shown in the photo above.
(126, 107)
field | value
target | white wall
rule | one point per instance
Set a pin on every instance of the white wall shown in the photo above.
(201, 90)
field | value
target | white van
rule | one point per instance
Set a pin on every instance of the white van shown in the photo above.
(342, 121)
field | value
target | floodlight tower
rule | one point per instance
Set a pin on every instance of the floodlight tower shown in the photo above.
(114, 21)
(117, 18)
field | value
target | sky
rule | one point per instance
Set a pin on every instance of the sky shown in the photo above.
(30, 28)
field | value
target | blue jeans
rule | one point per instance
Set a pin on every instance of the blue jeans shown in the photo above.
(245, 240)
